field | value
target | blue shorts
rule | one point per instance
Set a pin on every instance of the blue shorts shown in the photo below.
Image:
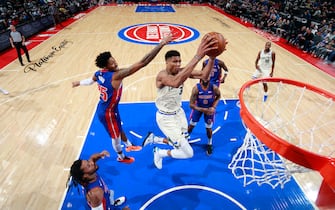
(195, 117)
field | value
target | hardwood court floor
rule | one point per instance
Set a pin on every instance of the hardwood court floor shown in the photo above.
(44, 121)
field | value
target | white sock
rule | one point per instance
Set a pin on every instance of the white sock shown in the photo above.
(162, 152)
(210, 141)
(127, 143)
(121, 156)
(111, 197)
(158, 140)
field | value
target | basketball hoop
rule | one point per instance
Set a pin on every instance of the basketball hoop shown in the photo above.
(295, 126)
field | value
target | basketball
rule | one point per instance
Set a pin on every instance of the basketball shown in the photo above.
(221, 44)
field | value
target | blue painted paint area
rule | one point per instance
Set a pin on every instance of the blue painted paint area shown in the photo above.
(154, 9)
(213, 184)
(138, 33)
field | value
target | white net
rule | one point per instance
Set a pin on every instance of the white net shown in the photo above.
(296, 115)
(254, 162)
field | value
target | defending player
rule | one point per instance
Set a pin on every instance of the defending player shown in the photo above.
(98, 196)
(204, 99)
(216, 77)
(109, 79)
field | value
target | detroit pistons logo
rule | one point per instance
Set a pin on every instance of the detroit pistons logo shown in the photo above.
(152, 33)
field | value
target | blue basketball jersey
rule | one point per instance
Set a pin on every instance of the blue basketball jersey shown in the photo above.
(205, 97)
(109, 97)
(107, 109)
(216, 73)
(101, 184)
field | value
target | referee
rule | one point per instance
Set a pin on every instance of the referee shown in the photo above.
(17, 40)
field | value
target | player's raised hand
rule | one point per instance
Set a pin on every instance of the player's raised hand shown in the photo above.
(208, 43)
(75, 84)
(167, 38)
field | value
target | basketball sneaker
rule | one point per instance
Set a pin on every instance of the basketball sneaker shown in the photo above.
(157, 158)
(119, 201)
(5, 92)
(265, 97)
(149, 139)
(209, 149)
(126, 159)
(187, 136)
(133, 148)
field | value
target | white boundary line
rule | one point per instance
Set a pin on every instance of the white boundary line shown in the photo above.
(217, 129)
(194, 140)
(135, 134)
(225, 115)
(151, 200)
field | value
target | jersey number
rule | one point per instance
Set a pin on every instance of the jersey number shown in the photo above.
(103, 93)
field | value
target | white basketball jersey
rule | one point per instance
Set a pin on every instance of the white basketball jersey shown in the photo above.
(169, 98)
(265, 61)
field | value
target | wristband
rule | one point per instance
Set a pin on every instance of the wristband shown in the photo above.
(197, 57)
(88, 81)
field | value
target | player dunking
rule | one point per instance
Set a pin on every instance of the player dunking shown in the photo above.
(109, 79)
(170, 116)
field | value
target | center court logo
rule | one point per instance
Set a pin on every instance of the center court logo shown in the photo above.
(152, 33)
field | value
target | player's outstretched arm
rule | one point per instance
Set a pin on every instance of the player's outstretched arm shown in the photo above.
(95, 157)
(122, 73)
(85, 82)
(207, 44)
(204, 73)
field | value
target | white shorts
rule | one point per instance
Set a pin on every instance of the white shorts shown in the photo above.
(173, 126)
(264, 73)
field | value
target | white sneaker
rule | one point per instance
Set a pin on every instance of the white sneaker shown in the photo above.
(149, 139)
(157, 158)
(4, 91)
(111, 196)
(119, 201)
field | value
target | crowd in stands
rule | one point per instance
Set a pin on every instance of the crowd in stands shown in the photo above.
(306, 24)
(23, 11)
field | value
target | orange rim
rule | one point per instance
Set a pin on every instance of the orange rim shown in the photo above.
(325, 165)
